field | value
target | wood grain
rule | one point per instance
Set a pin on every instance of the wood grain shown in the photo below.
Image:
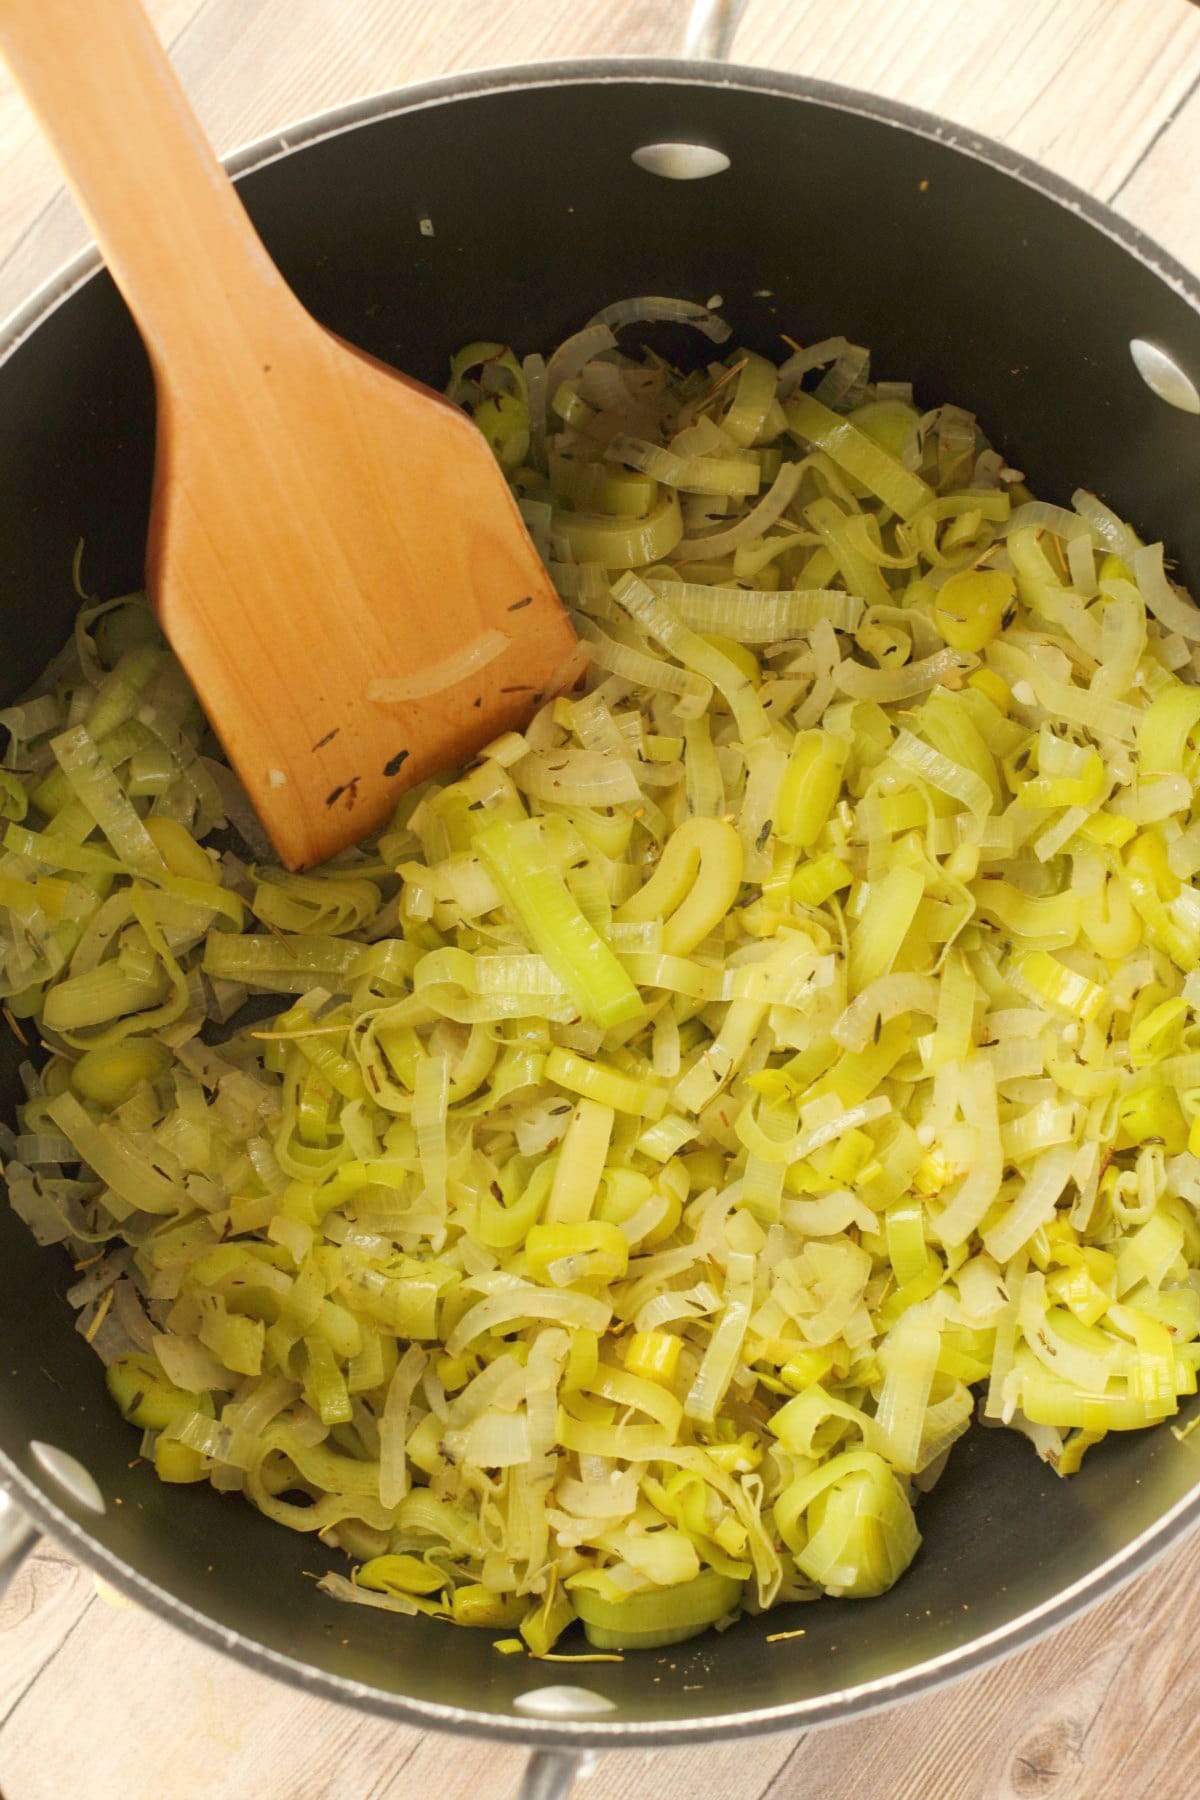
(1106, 92)
(113, 1704)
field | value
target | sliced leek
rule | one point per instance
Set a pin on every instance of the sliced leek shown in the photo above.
(665, 1124)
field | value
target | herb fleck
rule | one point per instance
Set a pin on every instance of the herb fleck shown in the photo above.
(348, 791)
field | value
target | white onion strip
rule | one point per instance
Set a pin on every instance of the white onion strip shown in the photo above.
(446, 673)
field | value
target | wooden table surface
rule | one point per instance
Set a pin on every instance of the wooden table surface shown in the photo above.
(107, 1703)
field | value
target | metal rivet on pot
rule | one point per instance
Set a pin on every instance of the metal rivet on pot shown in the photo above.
(1163, 375)
(70, 1475)
(681, 162)
(562, 1703)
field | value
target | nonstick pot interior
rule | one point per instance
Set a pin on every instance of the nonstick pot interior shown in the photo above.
(835, 215)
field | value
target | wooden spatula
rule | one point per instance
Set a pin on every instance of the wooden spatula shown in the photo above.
(334, 554)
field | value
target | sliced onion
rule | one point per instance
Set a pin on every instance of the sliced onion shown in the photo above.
(1044, 517)
(848, 373)
(574, 352)
(393, 1426)
(750, 617)
(773, 504)
(576, 778)
(1165, 602)
(534, 370)
(439, 676)
(1111, 531)
(817, 356)
(902, 684)
(654, 308)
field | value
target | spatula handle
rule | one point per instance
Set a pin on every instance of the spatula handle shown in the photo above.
(175, 235)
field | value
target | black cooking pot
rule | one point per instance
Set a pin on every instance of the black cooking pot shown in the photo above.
(984, 280)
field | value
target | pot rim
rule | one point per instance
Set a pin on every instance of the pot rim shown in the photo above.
(864, 1697)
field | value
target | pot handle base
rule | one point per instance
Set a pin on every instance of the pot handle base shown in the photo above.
(551, 1774)
(17, 1538)
(710, 29)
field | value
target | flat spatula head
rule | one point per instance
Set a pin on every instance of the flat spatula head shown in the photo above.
(334, 554)
(346, 579)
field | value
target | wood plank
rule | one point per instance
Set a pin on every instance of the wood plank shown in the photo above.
(1101, 1708)
(30, 185)
(127, 1706)
(1075, 1716)
(253, 65)
(1020, 71)
(1023, 71)
(1160, 191)
(39, 1612)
